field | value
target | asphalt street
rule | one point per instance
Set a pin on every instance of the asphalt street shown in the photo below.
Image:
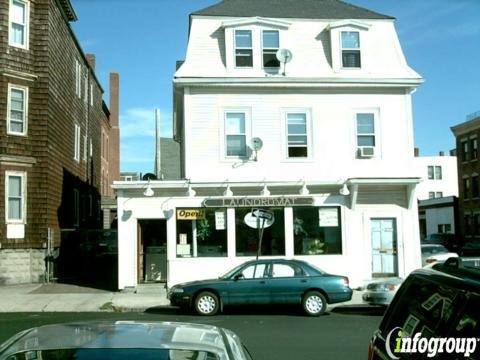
(269, 334)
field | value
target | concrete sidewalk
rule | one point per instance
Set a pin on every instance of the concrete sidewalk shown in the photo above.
(71, 298)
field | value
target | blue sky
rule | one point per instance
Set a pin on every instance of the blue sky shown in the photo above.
(142, 39)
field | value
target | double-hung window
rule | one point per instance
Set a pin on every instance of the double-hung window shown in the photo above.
(297, 135)
(366, 138)
(235, 134)
(15, 197)
(17, 110)
(76, 154)
(18, 33)
(473, 149)
(466, 188)
(350, 49)
(434, 172)
(271, 44)
(78, 79)
(464, 147)
(475, 186)
(243, 48)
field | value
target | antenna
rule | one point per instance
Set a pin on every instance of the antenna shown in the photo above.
(284, 56)
(256, 144)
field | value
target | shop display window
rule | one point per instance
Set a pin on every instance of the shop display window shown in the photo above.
(201, 232)
(317, 230)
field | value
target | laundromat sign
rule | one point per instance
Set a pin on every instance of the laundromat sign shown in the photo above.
(190, 214)
(259, 201)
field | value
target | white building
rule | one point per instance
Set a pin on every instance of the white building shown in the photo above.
(437, 194)
(337, 163)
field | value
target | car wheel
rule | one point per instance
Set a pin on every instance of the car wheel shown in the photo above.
(207, 303)
(314, 303)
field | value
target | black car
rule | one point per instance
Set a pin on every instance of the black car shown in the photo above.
(432, 307)
(263, 282)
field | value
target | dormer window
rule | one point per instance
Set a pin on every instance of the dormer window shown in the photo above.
(270, 44)
(243, 48)
(351, 49)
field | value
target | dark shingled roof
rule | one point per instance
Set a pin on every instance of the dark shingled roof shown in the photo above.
(301, 9)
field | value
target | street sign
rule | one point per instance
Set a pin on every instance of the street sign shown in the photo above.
(256, 222)
(263, 214)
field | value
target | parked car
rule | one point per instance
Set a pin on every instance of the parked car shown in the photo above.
(471, 248)
(382, 291)
(257, 282)
(125, 340)
(450, 241)
(433, 253)
(442, 301)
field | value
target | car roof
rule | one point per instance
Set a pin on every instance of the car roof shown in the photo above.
(120, 335)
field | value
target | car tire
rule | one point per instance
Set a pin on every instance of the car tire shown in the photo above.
(314, 303)
(207, 303)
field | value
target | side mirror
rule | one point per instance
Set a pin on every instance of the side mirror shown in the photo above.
(238, 277)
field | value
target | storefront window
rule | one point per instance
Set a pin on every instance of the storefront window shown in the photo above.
(201, 232)
(273, 240)
(317, 230)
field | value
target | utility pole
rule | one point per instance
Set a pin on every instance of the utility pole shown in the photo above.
(158, 167)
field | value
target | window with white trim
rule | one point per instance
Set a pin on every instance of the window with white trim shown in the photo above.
(17, 110)
(18, 27)
(366, 133)
(91, 94)
(235, 134)
(243, 48)
(85, 145)
(85, 86)
(350, 44)
(78, 79)
(270, 44)
(434, 172)
(15, 197)
(76, 153)
(297, 134)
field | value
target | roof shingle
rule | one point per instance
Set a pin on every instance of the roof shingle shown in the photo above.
(300, 9)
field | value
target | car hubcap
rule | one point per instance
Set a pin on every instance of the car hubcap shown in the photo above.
(206, 304)
(314, 304)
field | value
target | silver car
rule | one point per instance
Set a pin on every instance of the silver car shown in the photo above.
(125, 340)
(382, 291)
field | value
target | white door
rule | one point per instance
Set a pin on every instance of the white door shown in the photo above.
(384, 247)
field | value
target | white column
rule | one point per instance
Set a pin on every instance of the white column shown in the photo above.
(231, 249)
(288, 219)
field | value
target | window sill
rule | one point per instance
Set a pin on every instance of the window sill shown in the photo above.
(18, 47)
(17, 134)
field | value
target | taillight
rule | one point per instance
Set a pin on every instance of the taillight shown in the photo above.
(430, 261)
(345, 281)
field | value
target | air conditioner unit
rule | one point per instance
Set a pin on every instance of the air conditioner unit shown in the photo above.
(366, 151)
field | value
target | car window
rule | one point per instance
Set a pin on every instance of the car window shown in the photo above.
(467, 323)
(286, 270)
(254, 271)
(424, 306)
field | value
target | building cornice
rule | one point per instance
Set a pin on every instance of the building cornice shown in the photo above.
(298, 82)
(13, 160)
(20, 75)
(466, 127)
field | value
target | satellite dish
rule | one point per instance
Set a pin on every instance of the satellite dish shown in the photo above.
(256, 143)
(149, 176)
(284, 55)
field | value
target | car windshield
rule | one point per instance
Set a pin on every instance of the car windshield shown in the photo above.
(100, 354)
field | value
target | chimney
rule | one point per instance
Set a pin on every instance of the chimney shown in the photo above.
(114, 142)
(91, 60)
(416, 152)
(441, 153)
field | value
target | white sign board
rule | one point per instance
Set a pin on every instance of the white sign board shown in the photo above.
(15, 231)
(328, 217)
(255, 222)
(220, 220)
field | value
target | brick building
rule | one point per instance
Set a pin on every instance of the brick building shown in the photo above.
(467, 136)
(51, 120)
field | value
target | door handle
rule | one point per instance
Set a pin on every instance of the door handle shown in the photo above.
(262, 282)
(303, 281)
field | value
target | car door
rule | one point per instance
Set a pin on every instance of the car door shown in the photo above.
(288, 281)
(250, 285)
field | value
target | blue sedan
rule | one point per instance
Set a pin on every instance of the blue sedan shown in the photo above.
(263, 282)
